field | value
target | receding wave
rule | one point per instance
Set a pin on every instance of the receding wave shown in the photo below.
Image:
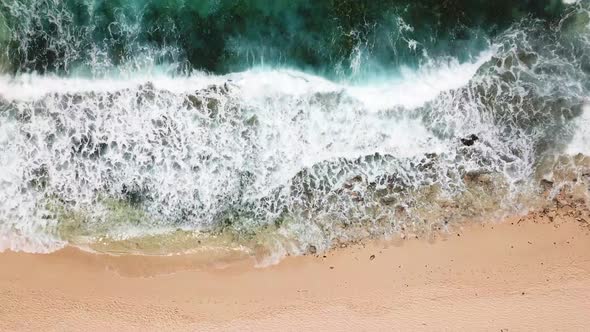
(284, 159)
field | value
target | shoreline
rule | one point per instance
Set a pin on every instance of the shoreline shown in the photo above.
(530, 272)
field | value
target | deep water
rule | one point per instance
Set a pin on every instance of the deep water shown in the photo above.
(337, 39)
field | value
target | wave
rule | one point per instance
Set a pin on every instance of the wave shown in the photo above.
(292, 161)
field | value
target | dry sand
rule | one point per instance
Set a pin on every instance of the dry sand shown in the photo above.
(527, 275)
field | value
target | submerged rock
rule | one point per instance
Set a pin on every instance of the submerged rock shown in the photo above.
(312, 250)
(469, 140)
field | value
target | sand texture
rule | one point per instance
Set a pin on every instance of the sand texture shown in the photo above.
(529, 273)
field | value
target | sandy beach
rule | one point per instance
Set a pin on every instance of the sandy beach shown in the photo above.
(528, 273)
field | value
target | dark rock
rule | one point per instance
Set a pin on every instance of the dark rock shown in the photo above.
(528, 58)
(194, 102)
(312, 250)
(546, 184)
(350, 183)
(508, 77)
(134, 195)
(469, 140)
(213, 105)
(382, 192)
(479, 177)
(388, 200)
(39, 177)
(252, 121)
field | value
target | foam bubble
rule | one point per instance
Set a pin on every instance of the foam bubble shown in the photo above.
(581, 141)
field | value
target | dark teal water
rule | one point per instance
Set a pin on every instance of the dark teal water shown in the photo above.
(335, 38)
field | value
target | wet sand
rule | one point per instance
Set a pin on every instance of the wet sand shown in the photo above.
(530, 273)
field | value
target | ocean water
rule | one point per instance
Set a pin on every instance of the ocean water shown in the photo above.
(167, 126)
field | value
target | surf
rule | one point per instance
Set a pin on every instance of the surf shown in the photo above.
(277, 156)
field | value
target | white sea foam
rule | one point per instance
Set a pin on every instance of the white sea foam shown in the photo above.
(581, 140)
(296, 130)
(411, 89)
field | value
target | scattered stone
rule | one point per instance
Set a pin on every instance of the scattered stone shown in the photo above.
(388, 200)
(469, 140)
(547, 184)
(527, 58)
(252, 121)
(312, 250)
